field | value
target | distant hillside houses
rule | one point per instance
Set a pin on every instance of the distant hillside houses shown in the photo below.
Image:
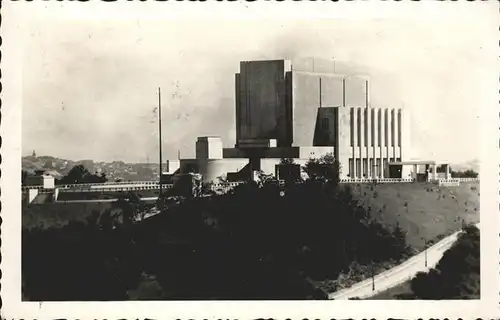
(115, 170)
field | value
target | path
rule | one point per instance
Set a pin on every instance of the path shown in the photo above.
(399, 274)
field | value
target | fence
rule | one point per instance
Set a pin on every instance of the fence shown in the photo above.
(381, 180)
(467, 179)
(80, 185)
(225, 187)
(447, 182)
(118, 189)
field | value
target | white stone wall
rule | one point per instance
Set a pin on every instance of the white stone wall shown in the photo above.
(368, 139)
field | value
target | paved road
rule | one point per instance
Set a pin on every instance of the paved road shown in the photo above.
(399, 274)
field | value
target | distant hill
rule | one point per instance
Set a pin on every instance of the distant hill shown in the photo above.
(115, 170)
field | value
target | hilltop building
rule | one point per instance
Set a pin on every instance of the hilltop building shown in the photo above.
(302, 113)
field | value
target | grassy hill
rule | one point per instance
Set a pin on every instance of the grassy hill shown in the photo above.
(424, 211)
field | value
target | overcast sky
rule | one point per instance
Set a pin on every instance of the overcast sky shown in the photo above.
(90, 87)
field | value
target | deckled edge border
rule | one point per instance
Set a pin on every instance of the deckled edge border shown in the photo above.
(1, 103)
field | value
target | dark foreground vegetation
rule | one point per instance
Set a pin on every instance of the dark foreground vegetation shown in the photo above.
(457, 275)
(260, 241)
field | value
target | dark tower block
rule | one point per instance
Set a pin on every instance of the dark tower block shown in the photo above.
(260, 94)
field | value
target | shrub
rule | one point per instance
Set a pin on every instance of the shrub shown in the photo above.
(457, 274)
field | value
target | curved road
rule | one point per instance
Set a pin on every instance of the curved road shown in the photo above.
(399, 274)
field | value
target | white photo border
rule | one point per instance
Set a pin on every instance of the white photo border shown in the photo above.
(13, 15)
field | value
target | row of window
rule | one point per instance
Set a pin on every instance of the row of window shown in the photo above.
(371, 167)
(359, 120)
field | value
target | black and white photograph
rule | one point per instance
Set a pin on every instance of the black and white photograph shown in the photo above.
(171, 159)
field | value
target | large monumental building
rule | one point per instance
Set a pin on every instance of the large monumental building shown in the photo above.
(303, 111)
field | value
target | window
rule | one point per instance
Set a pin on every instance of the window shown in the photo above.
(371, 168)
(365, 168)
(358, 168)
(351, 168)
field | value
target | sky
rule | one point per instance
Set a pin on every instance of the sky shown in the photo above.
(90, 87)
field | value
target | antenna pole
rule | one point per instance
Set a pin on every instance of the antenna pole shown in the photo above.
(320, 100)
(159, 138)
(343, 92)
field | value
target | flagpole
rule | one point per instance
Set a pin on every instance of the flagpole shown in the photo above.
(159, 138)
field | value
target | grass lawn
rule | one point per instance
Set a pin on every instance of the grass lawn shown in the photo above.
(424, 211)
(398, 292)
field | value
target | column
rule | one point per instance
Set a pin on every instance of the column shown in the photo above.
(383, 147)
(434, 172)
(361, 129)
(414, 173)
(369, 155)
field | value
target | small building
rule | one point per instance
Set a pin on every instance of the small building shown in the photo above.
(44, 181)
(419, 170)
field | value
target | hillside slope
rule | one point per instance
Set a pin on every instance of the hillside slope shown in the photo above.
(424, 211)
(58, 214)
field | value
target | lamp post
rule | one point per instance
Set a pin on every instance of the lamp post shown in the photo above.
(425, 252)
(373, 277)
(160, 143)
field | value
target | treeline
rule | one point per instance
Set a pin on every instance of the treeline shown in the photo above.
(457, 275)
(77, 174)
(260, 241)
(464, 174)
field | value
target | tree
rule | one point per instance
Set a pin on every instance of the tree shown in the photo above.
(325, 168)
(265, 178)
(456, 276)
(287, 161)
(24, 175)
(131, 208)
(400, 247)
(464, 174)
(79, 174)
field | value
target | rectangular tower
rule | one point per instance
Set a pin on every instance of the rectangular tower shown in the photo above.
(261, 101)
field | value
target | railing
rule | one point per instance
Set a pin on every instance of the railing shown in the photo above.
(40, 189)
(117, 189)
(467, 179)
(447, 182)
(225, 187)
(152, 185)
(79, 185)
(381, 180)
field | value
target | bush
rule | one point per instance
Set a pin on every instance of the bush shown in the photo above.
(457, 274)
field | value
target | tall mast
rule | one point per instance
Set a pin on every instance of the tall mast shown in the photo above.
(159, 138)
